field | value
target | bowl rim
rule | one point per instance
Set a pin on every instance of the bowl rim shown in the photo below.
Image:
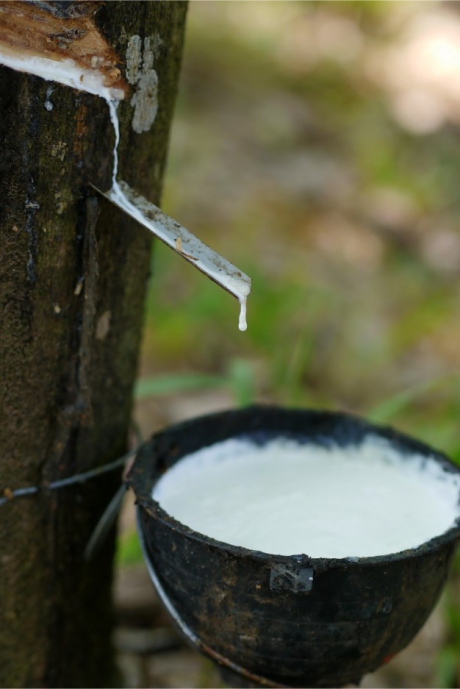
(136, 479)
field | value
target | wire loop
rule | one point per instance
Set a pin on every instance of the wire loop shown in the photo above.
(8, 495)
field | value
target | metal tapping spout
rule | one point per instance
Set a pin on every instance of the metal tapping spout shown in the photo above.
(183, 242)
(173, 233)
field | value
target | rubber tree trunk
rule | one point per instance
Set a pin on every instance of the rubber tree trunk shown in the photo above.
(73, 275)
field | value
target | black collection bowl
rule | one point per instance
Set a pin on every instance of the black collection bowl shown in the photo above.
(285, 620)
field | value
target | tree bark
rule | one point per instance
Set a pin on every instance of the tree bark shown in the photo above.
(73, 274)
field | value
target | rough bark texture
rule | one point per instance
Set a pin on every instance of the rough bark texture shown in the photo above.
(73, 274)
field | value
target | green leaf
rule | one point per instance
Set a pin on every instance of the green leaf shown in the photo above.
(129, 550)
(398, 402)
(446, 667)
(241, 381)
(182, 382)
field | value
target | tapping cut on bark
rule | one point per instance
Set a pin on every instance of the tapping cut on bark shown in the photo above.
(60, 42)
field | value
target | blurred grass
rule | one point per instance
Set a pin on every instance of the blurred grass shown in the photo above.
(238, 379)
(129, 551)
